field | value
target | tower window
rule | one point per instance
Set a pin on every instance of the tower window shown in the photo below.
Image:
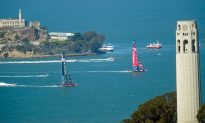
(179, 27)
(193, 46)
(178, 46)
(185, 46)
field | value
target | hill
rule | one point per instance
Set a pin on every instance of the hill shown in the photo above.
(32, 42)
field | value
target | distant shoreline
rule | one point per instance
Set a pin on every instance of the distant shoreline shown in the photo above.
(44, 56)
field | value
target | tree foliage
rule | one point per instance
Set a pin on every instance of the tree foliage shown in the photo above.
(17, 37)
(26, 46)
(90, 42)
(2, 34)
(87, 36)
(6, 55)
(77, 36)
(161, 109)
(201, 114)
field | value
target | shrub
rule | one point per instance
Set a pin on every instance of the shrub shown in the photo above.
(6, 55)
(161, 109)
(201, 114)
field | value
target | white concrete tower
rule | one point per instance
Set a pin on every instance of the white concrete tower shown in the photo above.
(187, 72)
(20, 15)
(20, 18)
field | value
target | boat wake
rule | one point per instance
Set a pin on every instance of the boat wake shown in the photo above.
(28, 62)
(110, 59)
(121, 71)
(2, 84)
(38, 86)
(27, 76)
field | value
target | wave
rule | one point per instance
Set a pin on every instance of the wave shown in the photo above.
(30, 62)
(38, 86)
(2, 84)
(121, 71)
(56, 61)
(23, 72)
(26, 76)
(110, 59)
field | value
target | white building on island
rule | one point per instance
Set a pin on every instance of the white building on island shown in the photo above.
(60, 35)
(13, 22)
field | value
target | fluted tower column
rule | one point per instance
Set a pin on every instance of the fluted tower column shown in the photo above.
(187, 72)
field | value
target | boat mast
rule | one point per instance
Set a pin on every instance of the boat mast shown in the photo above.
(64, 72)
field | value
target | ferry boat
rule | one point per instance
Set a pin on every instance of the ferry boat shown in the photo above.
(154, 45)
(66, 78)
(106, 48)
(136, 63)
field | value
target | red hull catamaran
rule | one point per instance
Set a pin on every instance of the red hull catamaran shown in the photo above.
(136, 63)
(66, 78)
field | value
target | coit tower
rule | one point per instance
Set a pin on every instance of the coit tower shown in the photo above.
(187, 72)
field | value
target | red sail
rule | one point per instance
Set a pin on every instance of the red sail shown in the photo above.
(135, 62)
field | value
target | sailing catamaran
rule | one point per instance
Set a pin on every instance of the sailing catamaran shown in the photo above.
(66, 78)
(136, 63)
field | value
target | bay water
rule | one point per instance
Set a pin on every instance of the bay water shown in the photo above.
(107, 91)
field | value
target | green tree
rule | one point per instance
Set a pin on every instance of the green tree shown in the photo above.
(25, 40)
(201, 114)
(95, 44)
(89, 42)
(77, 36)
(6, 55)
(87, 36)
(2, 34)
(26, 46)
(78, 46)
(17, 37)
(161, 109)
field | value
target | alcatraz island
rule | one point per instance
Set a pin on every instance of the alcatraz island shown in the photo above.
(18, 39)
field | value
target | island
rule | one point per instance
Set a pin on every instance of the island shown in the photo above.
(36, 43)
(19, 39)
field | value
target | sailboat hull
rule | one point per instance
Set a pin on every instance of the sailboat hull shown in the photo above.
(138, 70)
(67, 85)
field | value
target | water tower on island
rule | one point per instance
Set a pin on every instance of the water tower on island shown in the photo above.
(187, 72)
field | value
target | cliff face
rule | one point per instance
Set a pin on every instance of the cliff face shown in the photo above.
(32, 42)
(31, 34)
(19, 42)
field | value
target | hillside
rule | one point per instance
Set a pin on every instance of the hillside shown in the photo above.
(31, 42)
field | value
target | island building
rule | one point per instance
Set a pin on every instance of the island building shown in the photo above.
(187, 72)
(35, 24)
(13, 22)
(60, 35)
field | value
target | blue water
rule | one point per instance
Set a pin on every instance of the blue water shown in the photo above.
(107, 93)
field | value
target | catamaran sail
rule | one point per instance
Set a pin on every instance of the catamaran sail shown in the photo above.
(66, 78)
(136, 63)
